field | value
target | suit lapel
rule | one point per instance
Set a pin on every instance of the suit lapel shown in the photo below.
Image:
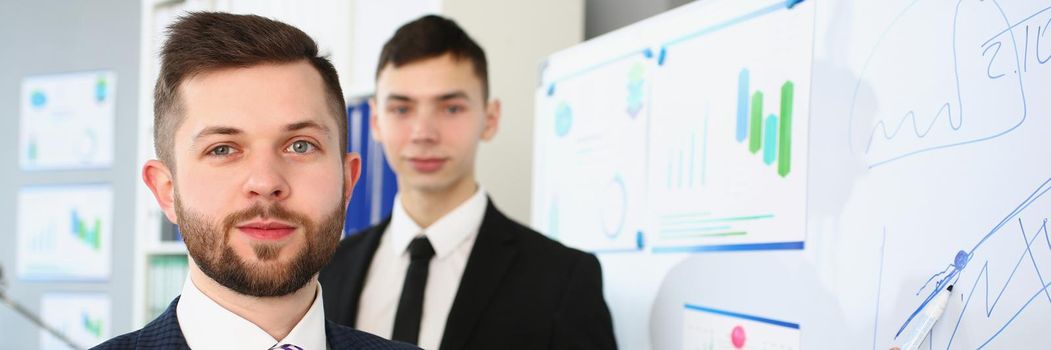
(163, 332)
(359, 268)
(491, 256)
(337, 337)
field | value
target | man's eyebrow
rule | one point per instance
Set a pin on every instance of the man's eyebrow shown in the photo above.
(227, 130)
(443, 97)
(217, 130)
(398, 97)
(453, 95)
(306, 124)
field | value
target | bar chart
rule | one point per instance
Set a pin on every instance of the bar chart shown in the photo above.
(64, 232)
(728, 136)
(83, 317)
(687, 163)
(772, 134)
(87, 232)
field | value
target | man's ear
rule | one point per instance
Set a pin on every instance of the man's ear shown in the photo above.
(374, 126)
(351, 175)
(492, 120)
(159, 179)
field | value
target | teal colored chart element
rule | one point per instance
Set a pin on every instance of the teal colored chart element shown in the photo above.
(635, 93)
(563, 119)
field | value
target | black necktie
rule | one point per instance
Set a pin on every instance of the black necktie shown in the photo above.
(410, 306)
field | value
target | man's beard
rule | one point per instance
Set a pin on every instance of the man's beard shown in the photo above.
(209, 244)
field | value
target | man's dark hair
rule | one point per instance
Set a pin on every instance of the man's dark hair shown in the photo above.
(201, 42)
(432, 36)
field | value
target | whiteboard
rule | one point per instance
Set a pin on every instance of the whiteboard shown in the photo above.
(783, 175)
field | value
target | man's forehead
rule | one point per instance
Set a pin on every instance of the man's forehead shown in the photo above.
(294, 85)
(266, 97)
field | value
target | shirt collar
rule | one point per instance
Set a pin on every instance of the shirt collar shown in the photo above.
(207, 325)
(446, 234)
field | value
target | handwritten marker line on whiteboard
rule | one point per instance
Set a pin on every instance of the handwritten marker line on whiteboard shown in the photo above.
(924, 322)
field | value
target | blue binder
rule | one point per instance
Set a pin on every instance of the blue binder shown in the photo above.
(373, 197)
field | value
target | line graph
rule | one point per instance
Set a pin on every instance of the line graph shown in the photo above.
(904, 124)
(953, 273)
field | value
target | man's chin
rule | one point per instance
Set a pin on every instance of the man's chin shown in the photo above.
(273, 278)
(263, 251)
(268, 253)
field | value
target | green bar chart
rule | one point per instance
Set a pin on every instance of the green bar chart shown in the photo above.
(784, 161)
(775, 141)
(85, 231)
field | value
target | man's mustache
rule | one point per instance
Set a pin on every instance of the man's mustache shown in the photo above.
(270, 211)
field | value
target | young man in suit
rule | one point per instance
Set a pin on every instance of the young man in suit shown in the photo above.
(447, 269)
(250, 129)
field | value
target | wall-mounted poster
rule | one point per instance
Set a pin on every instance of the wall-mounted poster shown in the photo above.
(67, 121)
(83, 318)
(64, 232)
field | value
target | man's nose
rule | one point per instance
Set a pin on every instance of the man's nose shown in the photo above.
(424, 126)
(266, 178)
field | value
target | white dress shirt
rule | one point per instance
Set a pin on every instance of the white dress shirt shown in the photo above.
(207, 325)
(452, 237)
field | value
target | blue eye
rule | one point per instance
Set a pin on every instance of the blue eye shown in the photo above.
(221, 150)
(301, 147)
(454, 109)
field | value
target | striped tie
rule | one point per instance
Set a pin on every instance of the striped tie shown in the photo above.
(286, 347)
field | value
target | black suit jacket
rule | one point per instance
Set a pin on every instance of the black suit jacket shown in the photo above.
(519, 290)
(164, 333)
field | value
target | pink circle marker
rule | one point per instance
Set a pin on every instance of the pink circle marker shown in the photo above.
(737, 337)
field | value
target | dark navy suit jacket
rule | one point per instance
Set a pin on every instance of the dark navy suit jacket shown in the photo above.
(164, 333)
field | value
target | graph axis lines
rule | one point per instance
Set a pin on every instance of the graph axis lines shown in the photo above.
(879, 287)
(963, 259)
(911, 114)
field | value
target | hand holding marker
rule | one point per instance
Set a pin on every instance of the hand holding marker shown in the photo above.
(921, 326)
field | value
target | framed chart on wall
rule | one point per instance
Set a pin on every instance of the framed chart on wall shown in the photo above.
(65, 232)
(67, 121)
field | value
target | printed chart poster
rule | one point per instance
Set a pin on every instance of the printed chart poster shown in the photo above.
(64, 232)
(708, 328)
(728, 149)
(67, 121)
(591, 136)
(83, 318)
